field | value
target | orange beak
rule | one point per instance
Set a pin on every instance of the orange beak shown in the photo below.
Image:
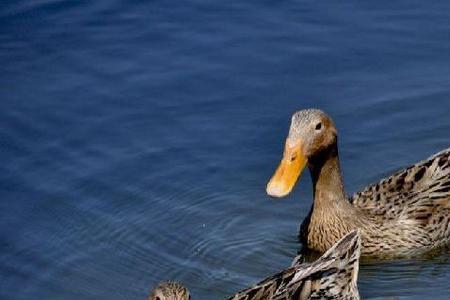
(289, 170)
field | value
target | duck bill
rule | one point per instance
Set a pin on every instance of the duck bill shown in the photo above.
(288, 172)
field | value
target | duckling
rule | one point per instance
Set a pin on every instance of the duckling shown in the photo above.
(333, 276)
(404, 215)
(169, 291)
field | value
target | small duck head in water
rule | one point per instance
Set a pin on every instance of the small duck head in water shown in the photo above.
(169, 291)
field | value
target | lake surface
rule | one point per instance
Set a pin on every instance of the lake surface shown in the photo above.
(137, 137)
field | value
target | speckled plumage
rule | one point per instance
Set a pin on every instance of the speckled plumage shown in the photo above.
(404, 215)
(410, 208)
(332, 276)
(169, 291)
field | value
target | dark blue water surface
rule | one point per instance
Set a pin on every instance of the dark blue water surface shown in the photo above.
(137, 137)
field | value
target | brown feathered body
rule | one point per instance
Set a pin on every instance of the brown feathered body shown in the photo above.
(332, 276)
(404, 215)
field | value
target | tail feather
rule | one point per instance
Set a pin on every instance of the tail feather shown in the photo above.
(333, 276)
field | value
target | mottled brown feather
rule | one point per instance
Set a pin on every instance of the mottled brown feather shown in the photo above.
(332, 276)
(404, 215)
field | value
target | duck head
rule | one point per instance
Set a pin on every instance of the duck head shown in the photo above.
(169, 291)
(312, 134)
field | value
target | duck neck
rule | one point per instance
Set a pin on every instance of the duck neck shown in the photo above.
(327, 180)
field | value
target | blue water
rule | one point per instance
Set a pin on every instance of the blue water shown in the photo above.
(137, 137)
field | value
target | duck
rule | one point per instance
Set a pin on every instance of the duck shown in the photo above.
(333, 276)
(169, 290)
(404, 215)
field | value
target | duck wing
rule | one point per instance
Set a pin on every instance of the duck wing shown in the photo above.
(420, 192)
(332, 276)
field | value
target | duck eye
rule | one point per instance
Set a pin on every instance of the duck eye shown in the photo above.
(318, 126)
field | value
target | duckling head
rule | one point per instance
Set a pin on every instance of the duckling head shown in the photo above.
(311, 135)
(169, 291)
